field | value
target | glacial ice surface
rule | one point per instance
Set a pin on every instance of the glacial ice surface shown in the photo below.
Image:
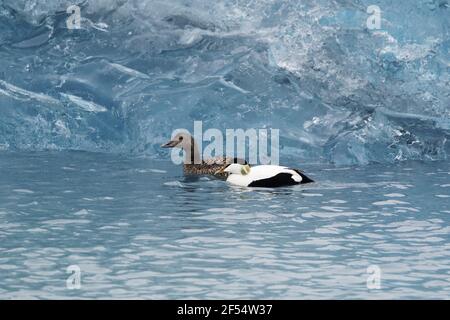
(138, 69)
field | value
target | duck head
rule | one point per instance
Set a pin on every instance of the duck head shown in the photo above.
(236, 168)
(187, 143)
(181, 140)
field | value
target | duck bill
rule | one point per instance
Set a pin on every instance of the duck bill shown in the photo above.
(170, 144)
(220, 171)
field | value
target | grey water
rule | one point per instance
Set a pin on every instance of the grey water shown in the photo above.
(137, 228)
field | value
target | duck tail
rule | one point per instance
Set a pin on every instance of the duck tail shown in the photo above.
(305, 179)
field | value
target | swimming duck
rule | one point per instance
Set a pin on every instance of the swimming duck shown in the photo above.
(265, 176)
(193, 164)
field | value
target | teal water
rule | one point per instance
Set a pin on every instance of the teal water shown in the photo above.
(343, 96)
(138, 229)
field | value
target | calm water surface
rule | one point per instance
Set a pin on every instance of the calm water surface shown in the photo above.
(139, 229)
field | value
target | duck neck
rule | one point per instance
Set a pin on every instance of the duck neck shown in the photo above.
(192, 154)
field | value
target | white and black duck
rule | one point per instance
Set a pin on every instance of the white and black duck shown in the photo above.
(264, 176)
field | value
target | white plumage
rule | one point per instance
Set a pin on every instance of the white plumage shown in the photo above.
(268, 176)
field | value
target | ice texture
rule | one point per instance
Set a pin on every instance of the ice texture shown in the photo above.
(137, 69)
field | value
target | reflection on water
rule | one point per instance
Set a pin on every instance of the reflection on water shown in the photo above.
(139, 229)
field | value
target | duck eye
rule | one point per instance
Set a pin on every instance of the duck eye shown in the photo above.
(180, 138)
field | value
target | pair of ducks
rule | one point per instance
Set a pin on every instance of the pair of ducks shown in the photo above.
(236, 171)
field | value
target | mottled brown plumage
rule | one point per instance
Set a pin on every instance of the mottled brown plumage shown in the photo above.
(193, 165)
(211, 166)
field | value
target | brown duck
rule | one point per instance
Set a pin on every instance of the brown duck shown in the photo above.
(193, 164)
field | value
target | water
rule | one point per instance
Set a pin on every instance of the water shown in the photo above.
(138, 229)
(83, 180)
